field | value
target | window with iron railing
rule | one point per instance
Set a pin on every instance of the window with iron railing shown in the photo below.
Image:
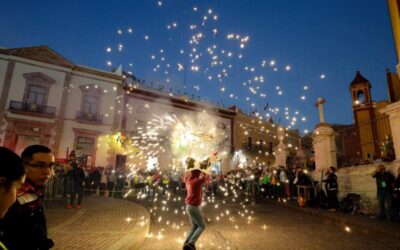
(31, 108)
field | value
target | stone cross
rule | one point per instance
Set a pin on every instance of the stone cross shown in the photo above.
(320, 105)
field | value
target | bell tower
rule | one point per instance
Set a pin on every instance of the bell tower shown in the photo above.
(364, 116)
(360, 92)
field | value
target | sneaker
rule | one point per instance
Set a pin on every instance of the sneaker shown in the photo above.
(78, 206)
(68, 207)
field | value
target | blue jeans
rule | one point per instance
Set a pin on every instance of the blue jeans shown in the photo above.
(197, 221)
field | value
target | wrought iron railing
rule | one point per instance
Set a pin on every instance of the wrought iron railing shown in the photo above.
(90, 117)
(32, 108)
(254, 147)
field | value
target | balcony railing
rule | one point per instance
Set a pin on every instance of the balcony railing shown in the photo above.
(32, 108)
(253, 147)
(89, 117)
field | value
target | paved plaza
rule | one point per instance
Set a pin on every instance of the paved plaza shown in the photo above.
(102, 224)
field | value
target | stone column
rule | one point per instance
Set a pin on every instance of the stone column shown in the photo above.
(393, 111)
(320, 105)
(324, 141)
(324, 147)
(281, 150)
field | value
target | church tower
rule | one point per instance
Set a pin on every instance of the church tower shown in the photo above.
(364, 116)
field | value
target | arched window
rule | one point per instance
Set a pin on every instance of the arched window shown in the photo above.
(361, 96)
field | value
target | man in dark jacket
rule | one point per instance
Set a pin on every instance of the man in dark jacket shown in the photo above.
(25, 223)
(75, 177)
(396, 195)
(384, 185)
(331, 188)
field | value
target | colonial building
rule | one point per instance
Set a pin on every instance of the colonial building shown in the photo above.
(49, 100)
(256, 140)
(370, 137)
(46, 99)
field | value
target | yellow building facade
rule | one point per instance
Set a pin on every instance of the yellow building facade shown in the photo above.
(256, 139)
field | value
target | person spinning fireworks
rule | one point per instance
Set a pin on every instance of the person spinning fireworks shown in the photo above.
(194, 180)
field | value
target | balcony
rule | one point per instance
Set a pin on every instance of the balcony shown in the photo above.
(253, 147)
(89, 117)
(32, 109)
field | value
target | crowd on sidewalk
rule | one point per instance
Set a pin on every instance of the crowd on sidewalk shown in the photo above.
(275, 183)
(23, 182)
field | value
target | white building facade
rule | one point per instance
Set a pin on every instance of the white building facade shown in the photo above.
(46, 99)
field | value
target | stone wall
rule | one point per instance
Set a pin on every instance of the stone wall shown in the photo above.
(358, 180)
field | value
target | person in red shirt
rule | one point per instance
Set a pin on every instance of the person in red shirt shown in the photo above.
(194, 181)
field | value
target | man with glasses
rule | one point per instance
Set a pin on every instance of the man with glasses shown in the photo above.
(25, 222)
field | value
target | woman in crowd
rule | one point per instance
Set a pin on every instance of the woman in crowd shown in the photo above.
(12, 176)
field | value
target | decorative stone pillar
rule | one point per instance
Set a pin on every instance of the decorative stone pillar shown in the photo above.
(281, 150)
(324, 142)
(393, 111)
(324, 147)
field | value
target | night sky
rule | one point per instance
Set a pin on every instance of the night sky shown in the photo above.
(313, 37)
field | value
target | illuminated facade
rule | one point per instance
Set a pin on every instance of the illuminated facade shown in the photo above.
(256, 140)
(372, 129)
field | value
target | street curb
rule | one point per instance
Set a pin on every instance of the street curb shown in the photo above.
(342, 222)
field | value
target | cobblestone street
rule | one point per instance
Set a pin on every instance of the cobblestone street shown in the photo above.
(273, 227)
(103, 223)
